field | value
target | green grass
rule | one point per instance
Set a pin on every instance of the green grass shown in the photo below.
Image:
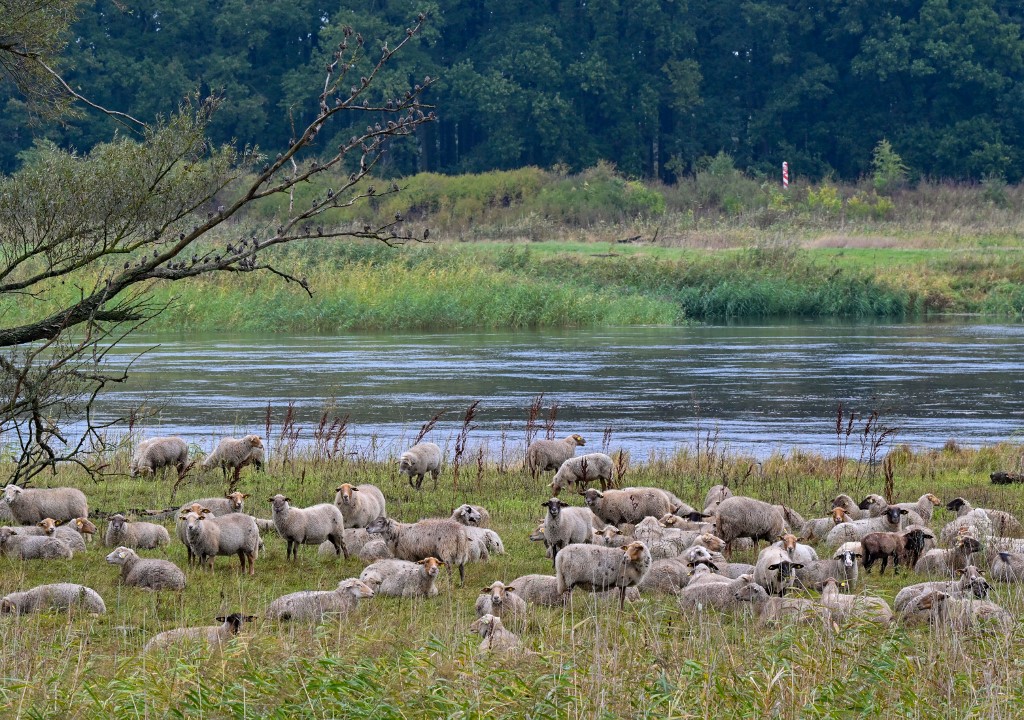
(413, 658)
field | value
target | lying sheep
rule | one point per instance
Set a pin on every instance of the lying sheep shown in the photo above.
(976, 524)
(842, 566)
(402, 578)
(771, 609)
(1003, 523)
(610, 536)
(905, 547)
(231, 503)
(471, 515)
(970, 584)
(501, 601)
(420, 459)
(893, 519)
(308, 526)
(543, 590)
(135, 534)
(148, 573)
(850, 507)
(544, 455)
(495, 637)
(1008, 567)
(663, 542)
(232, 534)
(947, 562)
(58, 596)
(440, 538)
(313, 605)
(668, 576)
(873, 505)
(32, 547)
(818, 528)
(565, 525)
(599, 568)
(583, 469)
(483, 542)
(847, 607)
(48, 527)
(29, 506)
(213, 635)
(359, 504)
(939, 609)
(720, 595)
(356, 539)
(741, 516)
(797, 551)
(234, 454)
(631, 505)
(775, 571)
(159, 453)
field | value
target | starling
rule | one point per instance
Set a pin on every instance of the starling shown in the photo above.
(366, 228)
(330, 193)
(426, 233)
(216, 258)
(126, 265)
(398, 217)
(181, 236)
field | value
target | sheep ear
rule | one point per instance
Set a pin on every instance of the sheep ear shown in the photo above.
(337, 489)
(774, 566)
(858, 554)
(712, 566)
(221, 618)
(355, 489)
(287, 499)
(249, 618)
(903, 511)
(270, 500)
(245, 495)
(546, 503)
(797, 566)
(510, 589)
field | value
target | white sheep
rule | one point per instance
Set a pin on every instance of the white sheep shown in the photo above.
(597, 568)
(403, 578)
(471, 515)
(147, 573)
(495, 637)
(501, 601)
(417, 461)
(845, 607)
(957, 614)
(29, 506)
(234, 454)
(543, 590)
(630, 505)
(775, 571)
(233, 502)
(945, 562)
(232, 534)
(924, 506)
(583, 469)
(892, 519)
(313, 605)
(741, 516)
(842, 566)
(971, 583)
(145, 535)
(308, 526)
(359, 504)
(798, 552)
(1008, 567)
(720, 594)
(771, 609)
(544, 455)
(482, 542)
(1003, 523)
(440, 538)
(213, 635)
(565, 525)
(69, 535)
(159, 453)
(32, 547)
(57, 596)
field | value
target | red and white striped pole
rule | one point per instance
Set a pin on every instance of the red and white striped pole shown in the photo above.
(785, 175)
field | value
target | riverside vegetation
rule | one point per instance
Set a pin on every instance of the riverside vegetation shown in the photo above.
(401, 657)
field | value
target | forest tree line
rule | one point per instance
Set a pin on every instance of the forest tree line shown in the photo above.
(652, 86)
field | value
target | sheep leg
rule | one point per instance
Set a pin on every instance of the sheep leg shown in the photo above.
(622, 598)
(339, 547)
(885, 564)
(462, 574)
(433, 475)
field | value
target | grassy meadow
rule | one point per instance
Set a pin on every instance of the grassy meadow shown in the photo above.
(414, 658)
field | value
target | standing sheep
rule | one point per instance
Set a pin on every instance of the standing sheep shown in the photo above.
(312, 605)
(565, 525)
(741, 516)
(58, 596)
(893, 519)
(308, 526)
(924, 506)
(599, 568)
(159, 453)
(148, 574)
(359, 504)
(842, 566)
(29, 506)
(402, 578)
(583, 469)
(501, 601)
(906, 547)
(214, 635)
(440, 538)
(543, 455)
(420, 459)
(631, 505)
(135, 534)
(716, 494)
(32, 547)
(234, 454)
(231, 503)
(232, 534)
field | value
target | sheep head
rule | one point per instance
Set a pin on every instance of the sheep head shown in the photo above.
(49, 525)
(955, 504)
(431, 566)
(356, 588)
(579, 440)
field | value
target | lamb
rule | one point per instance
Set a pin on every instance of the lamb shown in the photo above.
(29, 506)
(923, 507)
(565, 525)
(135, 534)
(32, 547)
(582, 469)
(482, 542)
(313, 605)
(359, 504)
(1008, 567)
(906, 546)
(471, 515)
(1003, 523)
(148, 574)
(778, 609)
(970, 584)
(946, 562)
(159, 453)
(631, 505)
(214, 635)
(543, 590)
(402, 578)
(892, 520)
(443, 539)
(234, 454)
(420, 459)
(48, 527)
(797, 551)
(741, 516)
(600, 568)
(232, 534)
(501, 601)
(846, 607)
(543, 455)
(308, 526)
(718, 595)
(58, 596)
(775, 571)
(842, 566)
(938, 608)
(495, 636)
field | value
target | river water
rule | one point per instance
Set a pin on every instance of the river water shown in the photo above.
(755, 388)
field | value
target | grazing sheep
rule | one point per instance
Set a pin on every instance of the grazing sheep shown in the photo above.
(32, 547)
(775, 571)
(893, 519)
(941, 610)
(610, 536)
(439, 538)
(471, 515)
(234, 454)
(947, 562)
(797, 551)
(543, 590)
(232, 534)
(148, 573)
(420, 459)
(29, 506)
(631, 505)
(1003, 523)
(970, 584)
(923, 507)
(214, 635)
(135, 534)
(543, 455)
(847, 607)
(496, 637)
(906, 546)
(778, 609)
(501, 601)
(359, 504)
(873, 505)
(1008, 567)
(402, 578)
(57, 596)
(565, 525)
(842, 566)
(741, 516)
(716, 494)
(308, 526)
(313, 605)
(159, 453)
(582, 469)
(600, 568)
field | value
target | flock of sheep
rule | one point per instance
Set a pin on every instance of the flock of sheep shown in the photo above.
(620, 543)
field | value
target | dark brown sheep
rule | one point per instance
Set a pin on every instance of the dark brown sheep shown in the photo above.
(906, 547)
